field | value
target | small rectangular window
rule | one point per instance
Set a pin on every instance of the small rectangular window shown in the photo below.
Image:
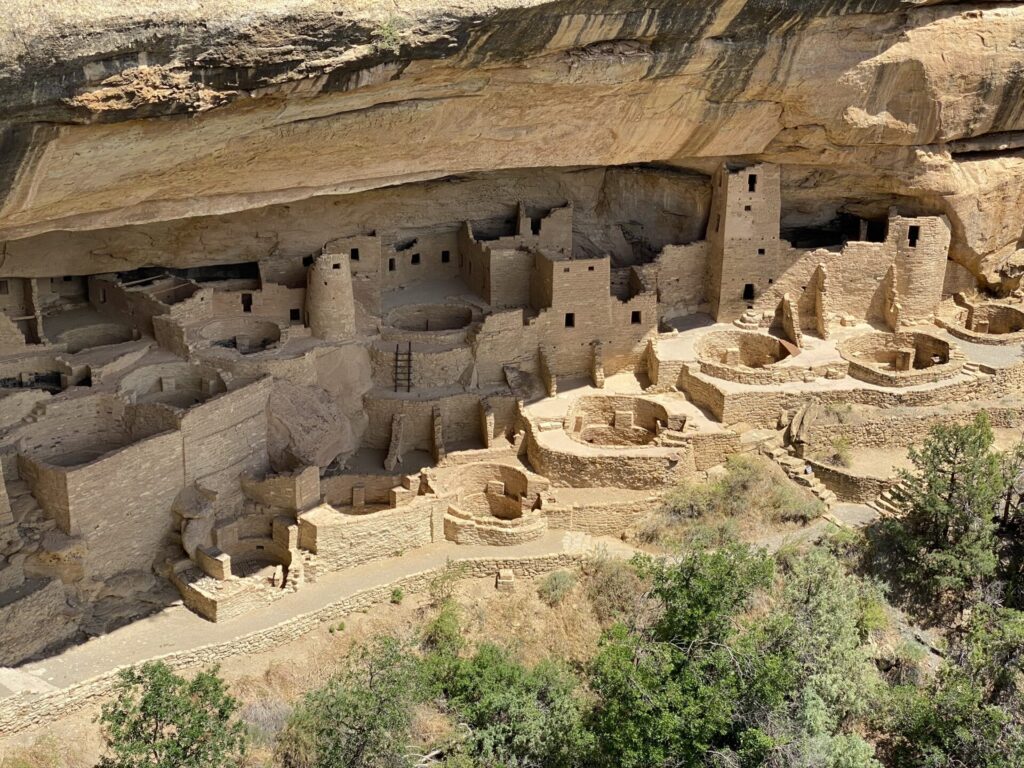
(752, 182)
(913, 235)
(570, 319)
(446, 257)
(354, 254)
(748, 208)
(295, 315)
(247, 302)
(565, 269)
(635, 317)
(760, 251)
(415, 258)
(748, 292)
(590, 269)
(335, 266)
(391, 265)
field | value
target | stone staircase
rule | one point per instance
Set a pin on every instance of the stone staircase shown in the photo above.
(974, 371)
(886, 503)
(796, 469)
(410, 487)
(748, 321)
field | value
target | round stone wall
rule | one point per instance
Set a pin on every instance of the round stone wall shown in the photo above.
(988, 323)
(902, 359)
(747, 357)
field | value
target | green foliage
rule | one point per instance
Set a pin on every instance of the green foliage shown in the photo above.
(841, 452)
(161, 720)
(397, 596)
(361, 718)
(518, 716)
(944, 544)
(613, 587)
(948, 723)
(751, 486)
(713, 675)
(441, 586)
(556, 586)
(388, 36)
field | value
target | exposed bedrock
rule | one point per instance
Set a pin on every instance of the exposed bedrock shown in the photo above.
(113, 119)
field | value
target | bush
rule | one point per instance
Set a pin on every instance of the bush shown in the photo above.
(161, 720)
(840, 455)
(264, 719)
(441, 586)
(397, 596)
(751, 486)
(614, 589)
(518, 716)
(556, 586)
(361, 718)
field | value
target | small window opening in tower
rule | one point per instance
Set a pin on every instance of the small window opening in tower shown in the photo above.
(354, 254)
(635, 317)
(752, 182)
(760, 251)
(748, 207)
(415, 258)
(913, 235)
(570, 319)
(565, 269)
(391, 265)
(295, 315)
(590, 269)
(335, 266)
(247, 302)
(748, 292)
(446, 256)
(535, 226)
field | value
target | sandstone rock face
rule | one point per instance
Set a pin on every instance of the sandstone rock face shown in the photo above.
(111, 117)
(305, 428)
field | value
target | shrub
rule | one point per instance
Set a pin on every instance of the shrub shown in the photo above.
(840, 455)
(614, 589)
(441, 586)
(388, 36)
(361, 718)
(397, 596)
(556, 586)
(519, 716)
(264, 718)
(161, 720)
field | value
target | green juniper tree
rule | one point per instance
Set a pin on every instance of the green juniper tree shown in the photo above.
(161, 720)
(951, 499)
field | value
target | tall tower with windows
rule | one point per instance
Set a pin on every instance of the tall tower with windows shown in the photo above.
(743, 232)
(330, 307)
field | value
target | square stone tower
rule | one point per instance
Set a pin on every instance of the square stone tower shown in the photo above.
(743, 231)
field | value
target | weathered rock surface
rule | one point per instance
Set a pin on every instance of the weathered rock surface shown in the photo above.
(145, 113)
(305, 428)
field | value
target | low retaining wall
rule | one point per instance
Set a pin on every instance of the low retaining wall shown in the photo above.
(24, 711)
(849, 486)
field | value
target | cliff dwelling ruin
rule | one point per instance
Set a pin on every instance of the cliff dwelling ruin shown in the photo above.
(240, 428)
(270, 314)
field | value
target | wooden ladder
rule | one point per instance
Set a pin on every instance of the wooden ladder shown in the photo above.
(403, 367)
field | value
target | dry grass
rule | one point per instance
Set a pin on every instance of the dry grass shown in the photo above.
(752, 497)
